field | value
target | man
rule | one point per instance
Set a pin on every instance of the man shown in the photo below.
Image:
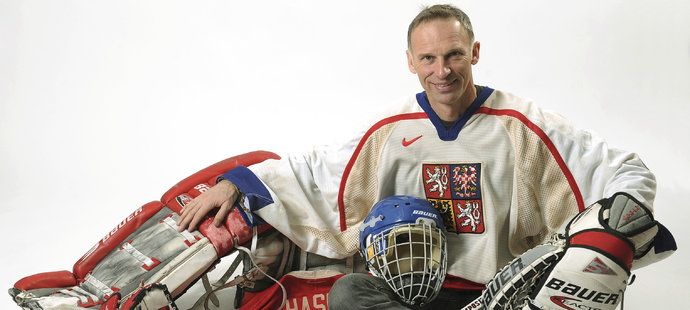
(505, 175)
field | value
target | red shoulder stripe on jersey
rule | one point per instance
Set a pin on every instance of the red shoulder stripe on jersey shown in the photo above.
(346, 173)
(549, 144)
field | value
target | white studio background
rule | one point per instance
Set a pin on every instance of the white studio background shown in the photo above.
(105, 105)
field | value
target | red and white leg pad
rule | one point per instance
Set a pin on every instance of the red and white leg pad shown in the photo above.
(602, 242)
(588, 276)
(144, 250)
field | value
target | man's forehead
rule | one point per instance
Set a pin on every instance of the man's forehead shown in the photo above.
(438, 31)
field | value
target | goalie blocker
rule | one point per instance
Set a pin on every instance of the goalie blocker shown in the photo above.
(145, 261)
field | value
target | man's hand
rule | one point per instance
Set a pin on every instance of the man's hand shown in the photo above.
(222, 195)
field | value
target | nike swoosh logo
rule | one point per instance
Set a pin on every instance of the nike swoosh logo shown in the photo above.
(406, 143)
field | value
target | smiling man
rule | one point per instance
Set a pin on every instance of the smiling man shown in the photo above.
(505, 176)
(442, 54)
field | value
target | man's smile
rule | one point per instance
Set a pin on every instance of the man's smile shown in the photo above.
(444, 86)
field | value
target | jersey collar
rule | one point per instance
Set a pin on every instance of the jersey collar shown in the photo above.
(452, 133)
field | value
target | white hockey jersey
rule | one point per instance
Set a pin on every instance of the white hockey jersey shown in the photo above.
(505, 176)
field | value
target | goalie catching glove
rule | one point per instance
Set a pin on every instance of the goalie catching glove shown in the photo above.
(588, 268)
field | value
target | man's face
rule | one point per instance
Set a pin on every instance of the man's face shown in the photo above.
(442, 54)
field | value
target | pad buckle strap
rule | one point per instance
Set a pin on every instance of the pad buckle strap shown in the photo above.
(188, 236)
(82, 298)
(209, 290)
(148, 262)
(104, 289)
(248, 280)
(212, 288)
(84, 292)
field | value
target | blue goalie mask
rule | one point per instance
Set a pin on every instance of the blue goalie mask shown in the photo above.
(403, 241)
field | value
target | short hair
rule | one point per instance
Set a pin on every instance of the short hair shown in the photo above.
(440, 11)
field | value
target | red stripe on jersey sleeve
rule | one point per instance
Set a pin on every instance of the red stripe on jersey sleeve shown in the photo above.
(549, 144)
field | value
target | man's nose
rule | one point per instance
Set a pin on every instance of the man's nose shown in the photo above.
(442, 69)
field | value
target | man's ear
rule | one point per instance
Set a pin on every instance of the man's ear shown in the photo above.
(475, 52)
(410, 63)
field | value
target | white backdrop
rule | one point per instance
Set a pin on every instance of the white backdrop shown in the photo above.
(105, 105)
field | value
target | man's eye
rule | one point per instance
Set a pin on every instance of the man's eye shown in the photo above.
(427, 58)
(456, 54)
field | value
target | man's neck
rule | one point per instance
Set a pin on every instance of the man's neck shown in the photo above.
(452, 112)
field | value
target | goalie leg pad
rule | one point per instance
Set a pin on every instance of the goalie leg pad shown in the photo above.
(512, 285)
(185, 268)
(154, 252)
(145, 246)
(582, 279)
(602, 243)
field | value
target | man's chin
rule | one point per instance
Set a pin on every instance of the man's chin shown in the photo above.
(444, 99)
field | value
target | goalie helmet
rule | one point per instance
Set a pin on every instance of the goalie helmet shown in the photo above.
(403, 241)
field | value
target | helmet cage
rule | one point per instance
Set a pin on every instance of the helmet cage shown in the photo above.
(411, 258)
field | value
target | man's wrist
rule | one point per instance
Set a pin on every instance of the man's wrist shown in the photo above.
(229, 187)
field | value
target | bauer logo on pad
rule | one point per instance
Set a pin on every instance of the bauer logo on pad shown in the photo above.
(599, 267)
(455, 191)
(183, 200)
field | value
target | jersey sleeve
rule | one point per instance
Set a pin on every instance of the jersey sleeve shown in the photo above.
(598, 169)
(560, 170)
(298, 195)
(602, 171)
